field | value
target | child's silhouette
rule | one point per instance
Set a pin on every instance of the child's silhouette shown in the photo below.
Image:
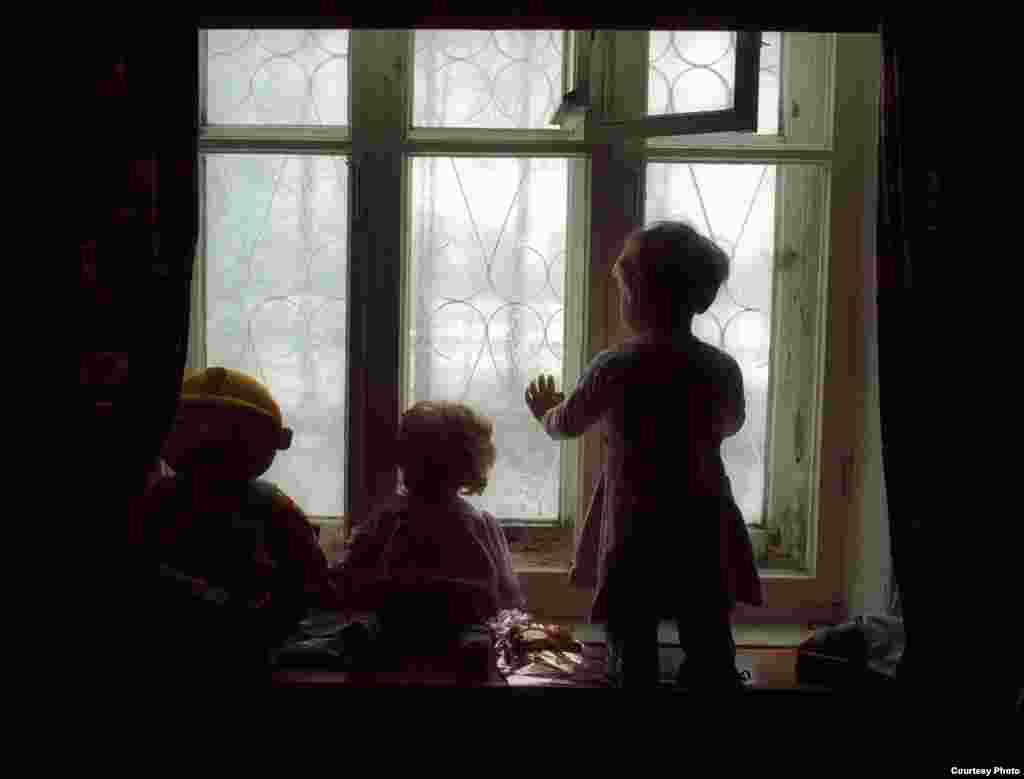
(664, 538)
(427, 560)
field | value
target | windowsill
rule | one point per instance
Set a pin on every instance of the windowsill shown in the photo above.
(524, 564)
(549, 595)
(331, 533)
(541, 557)
(540, 549)
(771, 671)
(747, 635)
(537, 549)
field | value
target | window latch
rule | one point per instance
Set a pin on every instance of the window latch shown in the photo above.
(573, 110)
(847, 474)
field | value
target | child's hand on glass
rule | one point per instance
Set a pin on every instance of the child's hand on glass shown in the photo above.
(541, 396)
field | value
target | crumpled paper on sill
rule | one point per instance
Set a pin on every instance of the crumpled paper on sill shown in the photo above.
(514, 656)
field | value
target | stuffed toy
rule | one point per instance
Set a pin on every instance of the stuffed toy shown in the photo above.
(217, 523)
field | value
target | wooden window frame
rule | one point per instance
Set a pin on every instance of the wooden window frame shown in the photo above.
(838, 73)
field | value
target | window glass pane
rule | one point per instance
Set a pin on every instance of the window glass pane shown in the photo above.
(488, 249)
(276, 260)
(734, 205)
(695, 71)
(291, 77)
(487, 79)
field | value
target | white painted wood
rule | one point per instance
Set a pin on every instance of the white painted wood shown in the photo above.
(753, 155)
(844, 392)
(453, 136)
(798, 312)
(576, 324)
(483, 147)
(808, 89)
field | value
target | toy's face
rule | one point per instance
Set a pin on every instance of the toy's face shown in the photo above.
(221, 444)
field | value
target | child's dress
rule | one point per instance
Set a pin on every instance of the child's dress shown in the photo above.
(441, 561)
(664, 405)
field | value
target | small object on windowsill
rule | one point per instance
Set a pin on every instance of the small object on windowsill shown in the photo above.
(539, 638)
(562, 662)
(572, 111)
(759, 539)
(528, 647)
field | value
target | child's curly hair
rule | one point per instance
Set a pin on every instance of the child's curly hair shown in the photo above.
(682, 271)
(444, 445)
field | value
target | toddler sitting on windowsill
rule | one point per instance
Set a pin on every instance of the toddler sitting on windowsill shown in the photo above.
(426, 561)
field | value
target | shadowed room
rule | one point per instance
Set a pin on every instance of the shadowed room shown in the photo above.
(365, 308)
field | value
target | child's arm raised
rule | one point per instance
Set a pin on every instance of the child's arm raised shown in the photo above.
(595, 393)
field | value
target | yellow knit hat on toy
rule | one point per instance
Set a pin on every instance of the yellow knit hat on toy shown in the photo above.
(224, 387)
(228, 426)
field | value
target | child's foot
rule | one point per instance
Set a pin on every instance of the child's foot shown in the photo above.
(687, 679)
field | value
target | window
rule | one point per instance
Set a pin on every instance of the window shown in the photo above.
(275, 241)
(391, 215)
(276, 255)
(488, 270)
(694, 71)
(487, 79)
(735, 205)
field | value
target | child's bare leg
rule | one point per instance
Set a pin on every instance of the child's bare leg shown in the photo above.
(707, 641)
(633, 642)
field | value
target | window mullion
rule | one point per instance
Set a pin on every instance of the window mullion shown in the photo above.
(800, 268)
(615, 206)
(619, 70)
(626, 64)
(796, 333)
(380, 61)
(849, 229)
(576, 319)
(808, 66)
(196, 355)
(275, 139)
(580, 458)
(204, 37)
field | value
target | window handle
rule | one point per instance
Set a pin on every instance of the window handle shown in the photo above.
(847, 474)
(357, 213)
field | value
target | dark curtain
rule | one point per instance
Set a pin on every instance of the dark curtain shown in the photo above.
(901, 222)
(951, 653)
(138, 226)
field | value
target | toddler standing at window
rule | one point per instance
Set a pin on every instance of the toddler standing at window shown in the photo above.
(427, 561)
(664, 538)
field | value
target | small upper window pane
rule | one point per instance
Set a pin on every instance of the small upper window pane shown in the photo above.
(694, 71)
(497, 79)
(289, 77)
